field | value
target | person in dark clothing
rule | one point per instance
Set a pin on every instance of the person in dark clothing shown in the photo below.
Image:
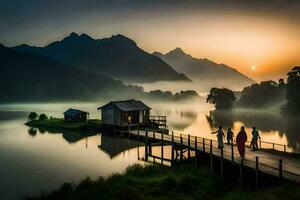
(255, 137)
(230, 135)
(241, 139)
(220, 135)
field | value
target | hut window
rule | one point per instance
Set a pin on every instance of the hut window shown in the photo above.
(129, 119)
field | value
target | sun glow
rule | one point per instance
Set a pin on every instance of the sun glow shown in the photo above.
(253, 67)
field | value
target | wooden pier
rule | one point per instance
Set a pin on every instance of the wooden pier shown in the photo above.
(205, 150)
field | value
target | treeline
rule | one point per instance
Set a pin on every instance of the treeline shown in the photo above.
(262, 95)
(169, 96)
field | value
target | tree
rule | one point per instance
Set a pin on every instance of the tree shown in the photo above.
(267, 93)
(293, 88)
(281, 82)
(222, 98)
(43, 117)
(32, 116)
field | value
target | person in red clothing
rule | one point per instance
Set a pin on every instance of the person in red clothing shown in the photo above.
(241, 139)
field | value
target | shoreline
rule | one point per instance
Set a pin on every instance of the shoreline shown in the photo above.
(60, 125)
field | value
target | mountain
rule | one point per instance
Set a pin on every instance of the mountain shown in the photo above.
(29, 77)
(205, 72)
(117, 56)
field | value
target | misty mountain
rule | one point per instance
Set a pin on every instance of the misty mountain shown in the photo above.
(29, 77)
(117, 56)
(204, 71)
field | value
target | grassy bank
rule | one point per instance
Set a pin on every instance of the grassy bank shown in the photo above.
(158, 182)
(60, 124)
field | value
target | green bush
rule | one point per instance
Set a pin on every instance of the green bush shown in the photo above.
(32, 116)
(43, 117)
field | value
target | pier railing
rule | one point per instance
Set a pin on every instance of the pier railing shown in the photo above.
(185, 144)
(261, 144)
(268, 165)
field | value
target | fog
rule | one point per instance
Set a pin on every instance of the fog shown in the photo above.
(195, 117)
(202, 87)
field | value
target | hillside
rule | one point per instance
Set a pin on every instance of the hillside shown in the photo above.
(118, 57)
(205, 72)
(27, 77)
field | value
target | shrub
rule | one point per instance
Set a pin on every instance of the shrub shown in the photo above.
(43, 117)
(32, 116)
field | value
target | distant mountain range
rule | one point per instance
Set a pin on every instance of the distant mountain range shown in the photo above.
(29, 77)
(82, 68)
(204, 71)
(118, 57)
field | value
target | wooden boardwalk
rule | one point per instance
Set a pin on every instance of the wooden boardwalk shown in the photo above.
(275, 165)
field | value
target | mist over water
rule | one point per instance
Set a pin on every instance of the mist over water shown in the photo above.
(202, 87)
(49, 159)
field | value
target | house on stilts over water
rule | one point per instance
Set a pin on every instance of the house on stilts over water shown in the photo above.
(121, 115)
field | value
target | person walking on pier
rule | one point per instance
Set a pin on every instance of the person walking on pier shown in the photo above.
(255, 137)
(220, 135)
(230, 135)
(241, 139)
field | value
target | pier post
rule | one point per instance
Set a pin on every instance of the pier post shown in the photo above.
(172, 153)
(256, 172)
(153, 134)
(273, 146)
(146, 147)
(280, 168)
(284, 148)
(162, 147)
(146, 138)
(181, 148)
(189, 146)
(150, 149)
(222, 164)
(241, 170)
(203, 142)
(211, 156)
(196, 149)
(129, 131)
(232, 152)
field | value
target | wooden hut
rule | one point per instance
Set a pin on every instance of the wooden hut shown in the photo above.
(74, 115)
(124, 113)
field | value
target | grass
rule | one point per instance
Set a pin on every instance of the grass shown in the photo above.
(60, 124)
(184, 181)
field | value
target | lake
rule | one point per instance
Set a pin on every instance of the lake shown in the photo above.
(35, 160)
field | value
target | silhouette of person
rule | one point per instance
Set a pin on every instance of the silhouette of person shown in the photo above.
(230, 135)
(241, 139)
(255, 137)
(220, 135)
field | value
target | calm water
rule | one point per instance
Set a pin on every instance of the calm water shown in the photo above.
(35, 160)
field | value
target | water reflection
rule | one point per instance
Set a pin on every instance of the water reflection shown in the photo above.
(113, 146)
(266, 122)
(69, 136)
(49, 157)
(32, 131)
(39, 160)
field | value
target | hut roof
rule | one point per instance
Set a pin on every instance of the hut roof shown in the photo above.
(128, 105)
(72, 112)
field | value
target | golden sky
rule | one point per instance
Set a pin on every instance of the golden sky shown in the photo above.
(258, 38)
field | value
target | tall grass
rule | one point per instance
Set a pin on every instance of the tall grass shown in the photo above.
(184, 181)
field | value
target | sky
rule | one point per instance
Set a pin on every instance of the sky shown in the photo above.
(260, 38)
